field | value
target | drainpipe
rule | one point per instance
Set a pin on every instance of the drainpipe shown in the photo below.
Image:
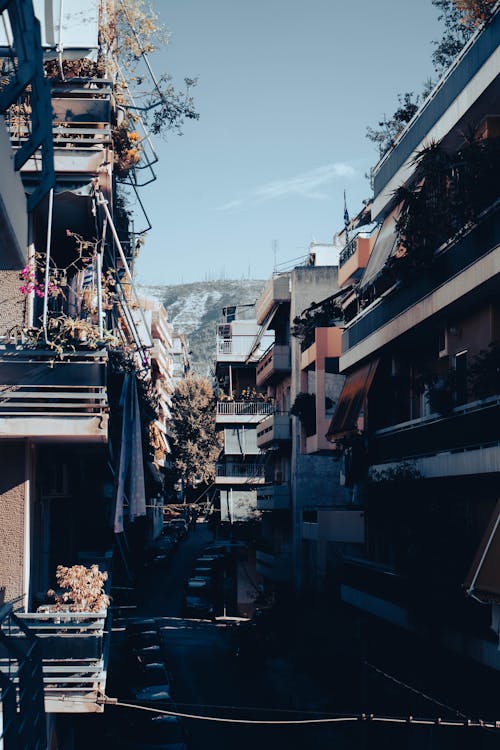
(47, 263)
(59, 48)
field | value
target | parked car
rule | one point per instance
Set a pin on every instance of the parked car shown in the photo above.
(181, 525)
(216, 562)
(159, 733)
(160, 551)
(203, 571)
(154, 683)
(140, 625)
(198, 606)
(142, 639)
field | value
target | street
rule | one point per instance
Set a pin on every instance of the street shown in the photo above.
(210, 680)
(308, 679)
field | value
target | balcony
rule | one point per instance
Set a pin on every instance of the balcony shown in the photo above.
(74, 649)
(473, 424)
(81, 126)
(274, 363)
(276, 428)
(242, 412)
(412, 602)
(239, 473)
(354, 257)
(460, 269)
(274, 497)
(241, 342)
(276, 291)
(275, 565)
(58, 399)
(461, 98)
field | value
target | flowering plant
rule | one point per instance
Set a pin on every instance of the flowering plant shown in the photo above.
(31, 284)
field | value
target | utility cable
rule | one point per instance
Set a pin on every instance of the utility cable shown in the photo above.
(341, 718)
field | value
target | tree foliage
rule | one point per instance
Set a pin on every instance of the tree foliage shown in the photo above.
(388, 129)
(459, 18)
(135, 32)
(195, 444)
(450, 192)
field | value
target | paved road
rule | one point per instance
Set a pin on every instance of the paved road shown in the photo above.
(209, 680)
(160, 591)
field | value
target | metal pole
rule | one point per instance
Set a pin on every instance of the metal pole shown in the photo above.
(59, 44)
(104, 203)
(47, 262)
(99, 279)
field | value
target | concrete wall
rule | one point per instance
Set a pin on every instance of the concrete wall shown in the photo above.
(238, 505)
(14, 515)
(12, 302)
(315, 478)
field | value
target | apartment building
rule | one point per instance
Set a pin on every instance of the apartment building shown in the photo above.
(181, 356)
(74, 415)
(302, 496)
(240, 406)
(417, 417)
(160, 383)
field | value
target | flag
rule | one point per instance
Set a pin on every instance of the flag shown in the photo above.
(346, 214)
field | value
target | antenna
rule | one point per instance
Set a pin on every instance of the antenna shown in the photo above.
(275, 254)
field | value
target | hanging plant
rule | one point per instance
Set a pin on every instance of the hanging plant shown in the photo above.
(304, 407)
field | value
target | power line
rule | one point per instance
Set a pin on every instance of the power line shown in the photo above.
(338, 719)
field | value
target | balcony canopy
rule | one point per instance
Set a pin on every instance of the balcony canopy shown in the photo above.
(383, 248)
(483, 579)
(352, 401)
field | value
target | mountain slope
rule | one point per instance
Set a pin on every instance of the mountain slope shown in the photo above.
(195, 309)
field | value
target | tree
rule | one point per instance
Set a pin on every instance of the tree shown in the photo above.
(455, 35)
(388, 129)
(137, 32)
(195, 444)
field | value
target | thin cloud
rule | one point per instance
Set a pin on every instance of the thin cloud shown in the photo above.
(305, 185)
(230, 205)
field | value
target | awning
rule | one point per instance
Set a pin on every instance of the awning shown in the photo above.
(352, 401)
(483, 579)
(383, 248)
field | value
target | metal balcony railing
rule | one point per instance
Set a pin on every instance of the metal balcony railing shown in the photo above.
(240, 470)
(37, 383)
(42, 396)
(74, 647)
(241, 408)
(81, 116)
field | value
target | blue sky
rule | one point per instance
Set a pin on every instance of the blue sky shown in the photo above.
(286, 89)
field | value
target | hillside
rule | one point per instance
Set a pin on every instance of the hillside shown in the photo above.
(195, 309)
